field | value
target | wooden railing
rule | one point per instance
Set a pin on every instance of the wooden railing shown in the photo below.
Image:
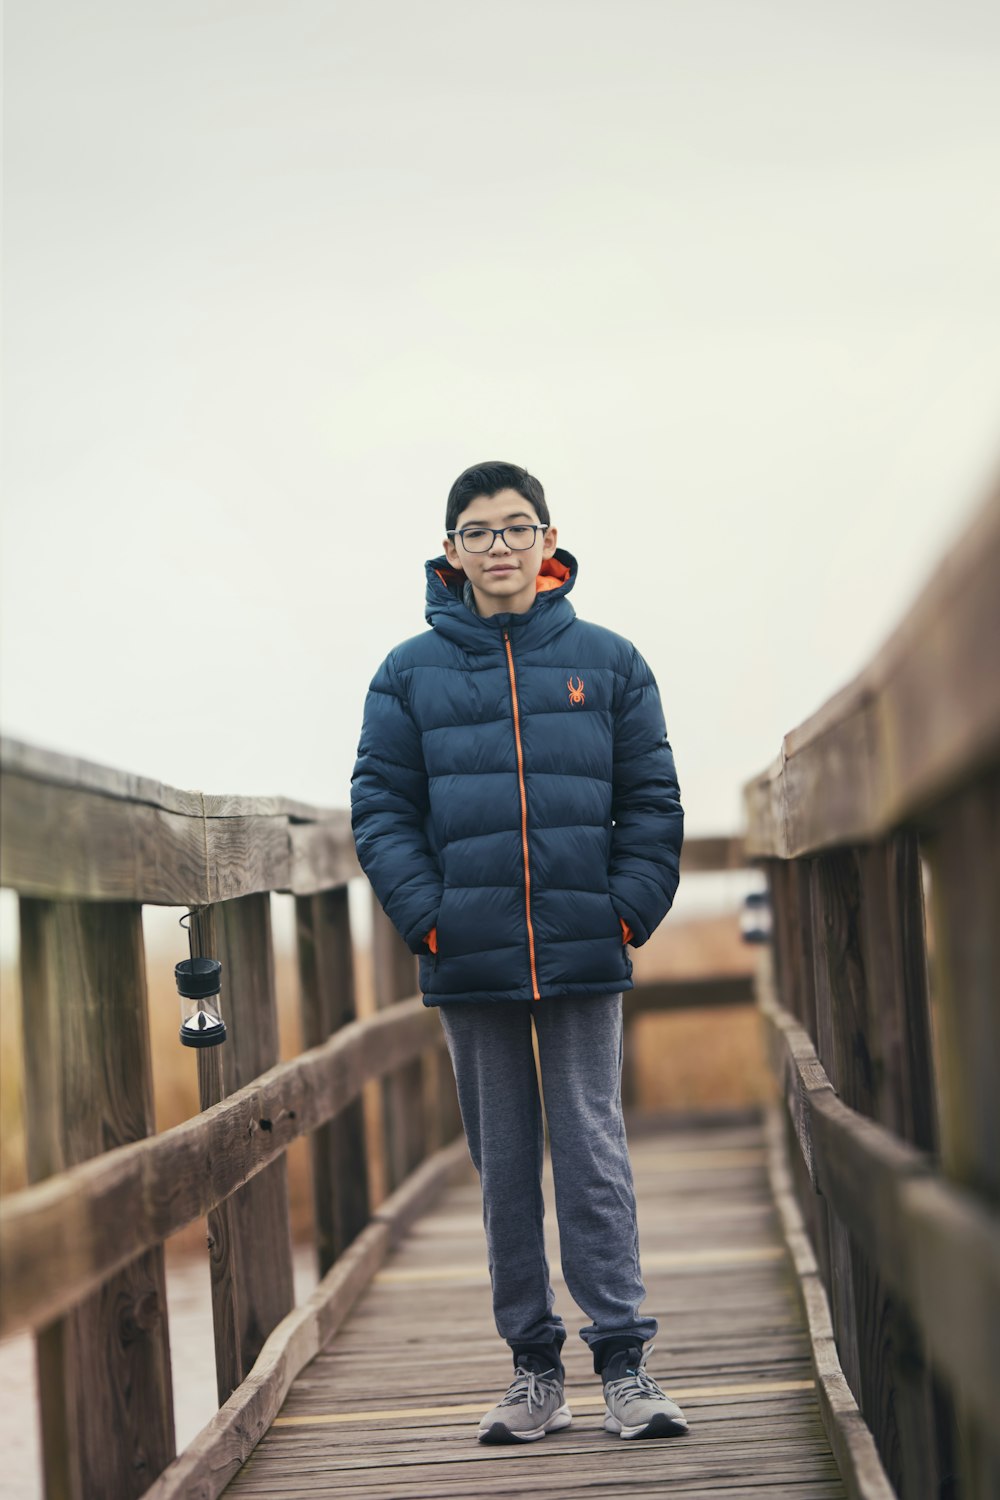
(889, 1067)
(81, 1250)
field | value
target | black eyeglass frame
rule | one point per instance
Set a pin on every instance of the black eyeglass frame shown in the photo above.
(498, 531)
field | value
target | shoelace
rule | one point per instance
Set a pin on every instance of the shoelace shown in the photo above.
(636, 1383)
(528, 1386)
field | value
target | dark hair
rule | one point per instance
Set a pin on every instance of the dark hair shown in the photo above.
(488, 479)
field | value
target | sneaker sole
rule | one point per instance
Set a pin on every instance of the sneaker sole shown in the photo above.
(660, 1426)
(498, 1432)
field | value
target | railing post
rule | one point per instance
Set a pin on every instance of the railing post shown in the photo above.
(249, 1237)
(964, 855)
(836, 996)
(104, 1368)
(875, 1027)
(395, 975)
(326, 984)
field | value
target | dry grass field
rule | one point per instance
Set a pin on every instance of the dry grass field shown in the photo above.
(684, 1061)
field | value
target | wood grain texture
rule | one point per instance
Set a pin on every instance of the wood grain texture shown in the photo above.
(387, 1412)
(861, 1468)
(250, 1248)
(59, 839)
(964, 855)
(60, 1239)
(936, 1246)
(205, 1467)
(395, 977)
(328, 1002)
(105, 1366)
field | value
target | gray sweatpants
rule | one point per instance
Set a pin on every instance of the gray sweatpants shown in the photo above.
(580, 1051)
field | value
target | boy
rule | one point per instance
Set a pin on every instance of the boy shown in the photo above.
(516, 809)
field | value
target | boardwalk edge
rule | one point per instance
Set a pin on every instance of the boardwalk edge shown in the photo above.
(219, 1451)
(849, 1435)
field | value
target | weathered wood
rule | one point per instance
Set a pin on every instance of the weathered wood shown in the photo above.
(105, 1366)
(53, 766)
(60, 1239)
(322, 855)
(832, 961)
(920, 718)
(934, 1244)
(858, 1459)
(688, 994)
(207, 1465)
(327, 996)
(964, 855)
(371, 1417)
(91, 842)
(250, 1248)
(707, 854)
(895, 963)
(395, 975)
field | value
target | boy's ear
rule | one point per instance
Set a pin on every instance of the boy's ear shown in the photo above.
(549, 542)
(451, 553)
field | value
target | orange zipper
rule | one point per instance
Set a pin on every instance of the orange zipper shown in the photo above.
(524, 816)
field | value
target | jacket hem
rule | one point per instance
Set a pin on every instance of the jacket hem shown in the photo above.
(499, 997)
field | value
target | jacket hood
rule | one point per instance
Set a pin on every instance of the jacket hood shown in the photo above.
(447, 612)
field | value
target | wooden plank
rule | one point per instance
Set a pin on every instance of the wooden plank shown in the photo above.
(60, 842)
(18, 757)
(207, 1464)
(61, 1238)
(322, 855)
(327, 998)
(378, 1413)
(964, 855)
(937, 1246)
(828, 931)
(688, 994)
(395, 976)
(63, 841)
(852, 1442)
(707, 854)
(895, 963)
(250, 1239)
(105, 1366)
(920, 721)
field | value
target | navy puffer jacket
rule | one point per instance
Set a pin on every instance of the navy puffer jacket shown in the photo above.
(515, 790)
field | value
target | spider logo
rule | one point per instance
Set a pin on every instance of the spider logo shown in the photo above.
(575, 689)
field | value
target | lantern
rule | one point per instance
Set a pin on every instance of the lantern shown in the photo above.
(198, 984)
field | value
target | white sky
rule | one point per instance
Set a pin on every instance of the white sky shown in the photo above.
(725, 276)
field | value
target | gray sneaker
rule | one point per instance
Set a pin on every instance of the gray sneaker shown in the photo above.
(637, 1408)
(532, 1407)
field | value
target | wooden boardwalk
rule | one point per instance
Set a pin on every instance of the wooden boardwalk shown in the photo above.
(389, 1411)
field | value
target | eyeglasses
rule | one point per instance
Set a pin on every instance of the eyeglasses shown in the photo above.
(481, 538)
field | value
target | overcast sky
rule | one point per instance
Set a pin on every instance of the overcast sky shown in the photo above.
(725, 276)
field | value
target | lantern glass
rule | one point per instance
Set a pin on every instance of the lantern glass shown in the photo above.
(201, 1021)
(198, 984)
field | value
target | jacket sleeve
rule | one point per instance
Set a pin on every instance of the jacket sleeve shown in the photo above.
(648, 820)
(389, 803)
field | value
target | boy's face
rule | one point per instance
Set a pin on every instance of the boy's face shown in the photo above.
(503, 577)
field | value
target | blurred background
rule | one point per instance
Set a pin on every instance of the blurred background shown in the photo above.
(725, 276)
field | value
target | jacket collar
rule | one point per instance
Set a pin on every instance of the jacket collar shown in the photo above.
(551, 612)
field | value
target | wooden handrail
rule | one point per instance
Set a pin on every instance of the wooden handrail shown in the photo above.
(85, 846)
(889, 1081)
(64, 1236)
(920, 718)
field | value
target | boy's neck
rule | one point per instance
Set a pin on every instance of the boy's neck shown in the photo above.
(513, 604)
